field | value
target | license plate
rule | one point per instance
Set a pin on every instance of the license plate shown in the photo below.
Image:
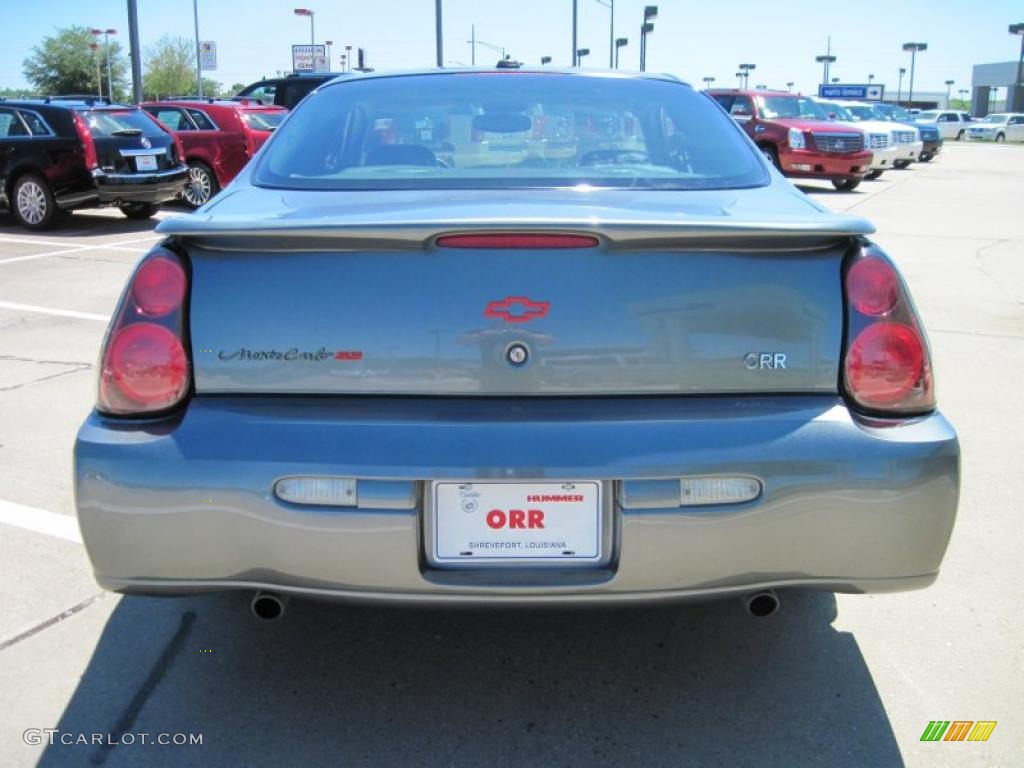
(516, 522)
(145, 162)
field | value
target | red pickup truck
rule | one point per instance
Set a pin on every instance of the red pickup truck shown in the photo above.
(795, 134)
(218, 137)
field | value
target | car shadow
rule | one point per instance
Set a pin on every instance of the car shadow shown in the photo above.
(85, 223)
(701, 684)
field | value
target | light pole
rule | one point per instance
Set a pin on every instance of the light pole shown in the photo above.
(96, 55)
(707, 82)
(545, 60)
(913, 48)
(963, 95)
(348, 58)
(825, 59)
(575, 20)
(650, 14)
(789, 85)
(746, 73)
(949, 85)
(610, 5)
(899, 89)
(871, 79)
(580, 53)
(106, 50)
(344, 62)
(307, 12)
(739, 79)
(835, 80)
(329, 43)
(1018, 93)
(620, 42)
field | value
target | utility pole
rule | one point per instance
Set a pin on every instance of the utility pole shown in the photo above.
(437, 33)
(134, 53)
(575, 19)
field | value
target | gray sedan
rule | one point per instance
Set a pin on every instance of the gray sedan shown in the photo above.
(514, 337)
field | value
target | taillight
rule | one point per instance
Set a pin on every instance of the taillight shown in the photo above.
(887, 369)
(517, 240)
(145, 366)
(88, 145)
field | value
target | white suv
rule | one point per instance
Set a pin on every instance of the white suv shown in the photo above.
(878, 135)
(1002, 126)
(952, 124)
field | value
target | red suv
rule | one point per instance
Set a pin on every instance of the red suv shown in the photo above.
(218, 138)
(795, 134)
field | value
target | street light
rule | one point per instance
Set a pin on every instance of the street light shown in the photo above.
(650, 14)
(307, 12)
(545, 60)
(949, 84)
(871, 79)
(610, 5)
(899, 89)
(746, 73)
(789, 85)
(328, 43)
(106, 49)
(580, 53)
(348, 58)
(739, 78)
(96, 55)
(620, 42)
(835, 80)
(825, 59)
(1018, 29)
(475, 42)
(913, 48)
(707, 82)
(963, 95)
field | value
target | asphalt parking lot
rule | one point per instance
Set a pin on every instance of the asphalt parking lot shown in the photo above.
(845, 680)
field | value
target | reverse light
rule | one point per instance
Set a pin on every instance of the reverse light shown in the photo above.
(886, 368)
(144, 366)
(321, 491)
(796, 139)
(699, 491)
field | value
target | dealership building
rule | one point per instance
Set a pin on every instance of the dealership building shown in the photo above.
(986, 78)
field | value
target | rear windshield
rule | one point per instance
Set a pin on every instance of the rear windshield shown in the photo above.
(508, 130)
(263, 121)
(104, 123)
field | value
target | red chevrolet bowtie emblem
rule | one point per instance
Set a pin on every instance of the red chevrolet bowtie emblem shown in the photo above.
(517, 309)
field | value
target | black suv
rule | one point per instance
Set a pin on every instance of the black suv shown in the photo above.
(62, 154)
(285, 91)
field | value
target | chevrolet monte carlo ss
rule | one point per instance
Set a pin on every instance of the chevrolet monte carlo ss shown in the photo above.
(514, 337)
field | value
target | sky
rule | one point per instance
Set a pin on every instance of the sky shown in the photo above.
(691, 39)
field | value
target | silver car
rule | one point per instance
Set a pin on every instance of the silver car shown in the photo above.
(430, 346)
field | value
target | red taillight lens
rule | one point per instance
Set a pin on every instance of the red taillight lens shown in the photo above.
(88, 145)
(884, 364)
(145, 365)
(520, 240)
(158, 287)
(872, 286)
(887, 368)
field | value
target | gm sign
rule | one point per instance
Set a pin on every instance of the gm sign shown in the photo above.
(855, 92)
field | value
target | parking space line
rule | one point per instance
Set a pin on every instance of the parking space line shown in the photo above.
(72, 249)
(39, 520)
(53, 311)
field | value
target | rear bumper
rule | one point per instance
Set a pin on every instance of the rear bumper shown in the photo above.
(806, 164)
(157, 187)
(187, 505)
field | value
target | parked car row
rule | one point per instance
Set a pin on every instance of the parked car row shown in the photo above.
(843, 142)
(61, 154)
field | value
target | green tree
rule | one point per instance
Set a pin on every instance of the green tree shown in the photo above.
(171, 70)
(64, 63)
(236, 87)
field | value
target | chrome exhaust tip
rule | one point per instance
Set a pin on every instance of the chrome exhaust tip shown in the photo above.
(761, 605)
(266, 606)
